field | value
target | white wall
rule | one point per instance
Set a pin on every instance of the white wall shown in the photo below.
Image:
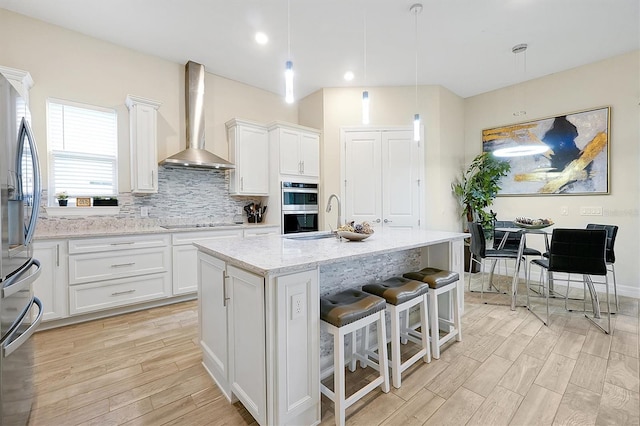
(614, 82)
(68, 65)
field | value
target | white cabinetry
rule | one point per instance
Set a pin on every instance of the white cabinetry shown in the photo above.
(249, 151)
(262, 230)
(297, 149)
(383, 173)
(116, 271)
(51, 286)
(143, 141)
(232, 335)
(185, 256)
(234, 307)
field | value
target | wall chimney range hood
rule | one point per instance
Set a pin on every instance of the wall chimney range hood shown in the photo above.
(195, 156)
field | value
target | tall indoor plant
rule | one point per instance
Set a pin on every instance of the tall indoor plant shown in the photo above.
(478, 186)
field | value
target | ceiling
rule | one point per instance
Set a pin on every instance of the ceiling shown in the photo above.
(463, 45)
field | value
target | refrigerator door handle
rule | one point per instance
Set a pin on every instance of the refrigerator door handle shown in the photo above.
(8, 349)
(14, 285)
(25, 133)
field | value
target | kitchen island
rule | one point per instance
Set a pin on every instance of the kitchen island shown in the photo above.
(259, 323)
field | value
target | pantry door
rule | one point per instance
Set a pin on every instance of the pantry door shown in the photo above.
(382, 178)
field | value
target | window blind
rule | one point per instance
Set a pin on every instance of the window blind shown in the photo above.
(83, 146)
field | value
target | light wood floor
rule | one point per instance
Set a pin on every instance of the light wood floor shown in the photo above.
(144, 369)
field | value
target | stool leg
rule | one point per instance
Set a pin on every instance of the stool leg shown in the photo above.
(338, 378)
(395, 347)
(352, 363)
(435, 331)
(383, 362)
(424, 328)
(456, 313)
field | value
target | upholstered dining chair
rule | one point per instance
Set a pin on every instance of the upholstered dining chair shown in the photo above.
(612, 232)
(575, 251)
(480, 253)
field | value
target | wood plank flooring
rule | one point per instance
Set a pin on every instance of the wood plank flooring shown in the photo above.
(145, 368)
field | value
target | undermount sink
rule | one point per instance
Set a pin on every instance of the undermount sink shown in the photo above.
(310, 236)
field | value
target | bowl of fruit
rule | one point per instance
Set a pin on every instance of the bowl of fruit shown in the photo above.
(355, 231)
(528, 223)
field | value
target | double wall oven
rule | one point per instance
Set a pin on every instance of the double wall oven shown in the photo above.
(299, 207)
(20, 311)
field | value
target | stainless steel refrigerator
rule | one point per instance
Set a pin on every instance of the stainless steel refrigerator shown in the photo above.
(20, 311)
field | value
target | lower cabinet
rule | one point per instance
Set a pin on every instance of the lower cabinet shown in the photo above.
(185, 256)
(51, 285)
(241, 315)
(232, 335)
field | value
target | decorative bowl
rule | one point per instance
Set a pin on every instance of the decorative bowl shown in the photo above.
(534, 226)
(353, 236)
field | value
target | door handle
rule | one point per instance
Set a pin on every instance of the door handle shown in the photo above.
(224, 289)
(387, 221)
(377, 220)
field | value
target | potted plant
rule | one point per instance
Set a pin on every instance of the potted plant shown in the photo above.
(478, 186)
(63, 198)
(475, 191)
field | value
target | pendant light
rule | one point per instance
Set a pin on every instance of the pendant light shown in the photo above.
(288, 72)
(365, 93)
(416, 9)
(520, 64)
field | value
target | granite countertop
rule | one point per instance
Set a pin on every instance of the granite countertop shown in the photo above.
(274, 254)
(128, 227)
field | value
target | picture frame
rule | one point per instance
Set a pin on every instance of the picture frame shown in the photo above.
(83, 202)
(567, 154)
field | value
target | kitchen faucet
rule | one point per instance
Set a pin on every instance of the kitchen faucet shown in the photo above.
(339, 208)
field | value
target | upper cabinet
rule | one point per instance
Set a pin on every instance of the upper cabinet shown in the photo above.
(144, 145)
(298, 149)
(249, 151)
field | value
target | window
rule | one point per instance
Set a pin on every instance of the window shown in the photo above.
(83, 150)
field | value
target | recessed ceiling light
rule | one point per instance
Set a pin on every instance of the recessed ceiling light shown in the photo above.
(261, 38)
(348, 76)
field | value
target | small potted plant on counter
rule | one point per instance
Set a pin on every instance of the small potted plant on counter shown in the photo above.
(63, 198)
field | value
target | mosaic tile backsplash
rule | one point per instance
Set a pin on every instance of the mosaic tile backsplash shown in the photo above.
(184, 196)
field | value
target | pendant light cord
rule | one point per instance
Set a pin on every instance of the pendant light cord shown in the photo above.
(416, 11)
(365, 46)
(288, 30)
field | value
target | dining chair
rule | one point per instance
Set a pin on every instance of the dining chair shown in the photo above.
(480, 253)
(612, 232)
(575, 251)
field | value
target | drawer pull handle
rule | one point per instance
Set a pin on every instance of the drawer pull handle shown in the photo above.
(119, 265)
(123, 243)
(118, 293)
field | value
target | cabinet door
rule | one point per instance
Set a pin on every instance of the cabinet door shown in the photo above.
(185, 269)
(51, 285)
(363, 200)
(143, 142)
(400, 180)
(247, 348)
(290, 163)
(252, 161)
(212, 313)
(310, 154)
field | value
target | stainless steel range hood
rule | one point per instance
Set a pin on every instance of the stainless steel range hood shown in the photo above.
(195, 156)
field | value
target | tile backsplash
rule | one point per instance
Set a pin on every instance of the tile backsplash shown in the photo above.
(184, 196)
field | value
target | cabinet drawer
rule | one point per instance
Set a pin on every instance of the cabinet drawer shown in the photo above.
(91, 267)
(263, 230)
(110, 294)
(94, 245)
(191, 237)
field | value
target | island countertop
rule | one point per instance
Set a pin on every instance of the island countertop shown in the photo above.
(275, 254)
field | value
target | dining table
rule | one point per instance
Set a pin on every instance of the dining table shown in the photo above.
(523, 231)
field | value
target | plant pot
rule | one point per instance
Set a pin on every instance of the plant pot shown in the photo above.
(63, 203)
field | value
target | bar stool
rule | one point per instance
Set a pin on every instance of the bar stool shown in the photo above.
(346, 313)
(440, 281)
(402, 294)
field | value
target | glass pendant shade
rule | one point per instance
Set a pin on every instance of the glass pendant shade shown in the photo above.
(288, 82)
(365, 107)
(416, 127)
